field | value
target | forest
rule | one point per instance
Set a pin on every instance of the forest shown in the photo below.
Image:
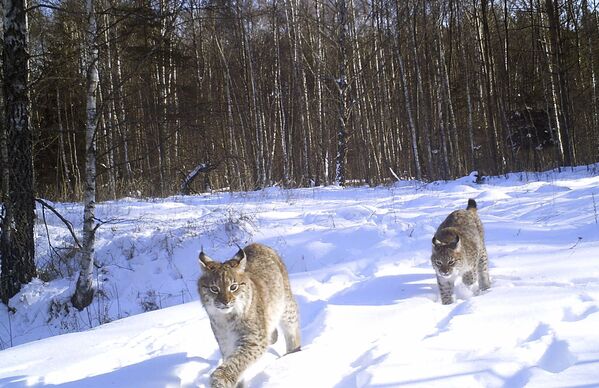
(249, 94)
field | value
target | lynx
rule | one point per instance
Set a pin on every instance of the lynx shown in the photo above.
(246, 298)
(459, 250)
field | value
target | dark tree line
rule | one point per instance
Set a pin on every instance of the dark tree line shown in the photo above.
(297, 93)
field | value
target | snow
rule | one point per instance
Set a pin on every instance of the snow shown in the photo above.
(359, 266)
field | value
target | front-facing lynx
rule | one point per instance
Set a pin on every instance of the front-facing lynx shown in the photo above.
(246, 298)
(459, 250)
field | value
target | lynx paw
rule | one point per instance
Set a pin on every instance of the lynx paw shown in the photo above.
(220, 378)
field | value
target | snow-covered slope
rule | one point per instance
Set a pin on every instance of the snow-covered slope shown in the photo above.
(359, 265)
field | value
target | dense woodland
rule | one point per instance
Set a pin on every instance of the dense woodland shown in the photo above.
(296, 93)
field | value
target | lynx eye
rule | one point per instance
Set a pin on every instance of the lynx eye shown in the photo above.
(439, 263)
(234, 287)
(214, 289)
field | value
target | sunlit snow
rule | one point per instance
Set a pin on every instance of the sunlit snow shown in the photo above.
(359, 265)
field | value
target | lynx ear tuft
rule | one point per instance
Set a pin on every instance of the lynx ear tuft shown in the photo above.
(239, 260)
(471, 204)
(454, 244)
(206, 262)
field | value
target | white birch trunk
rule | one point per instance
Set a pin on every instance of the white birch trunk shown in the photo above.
(342, 88)
(421, 104)
(408, 106)
(84, 292)
(281, 117)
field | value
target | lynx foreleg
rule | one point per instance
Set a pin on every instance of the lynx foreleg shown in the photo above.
(228, 374)
(445, 289)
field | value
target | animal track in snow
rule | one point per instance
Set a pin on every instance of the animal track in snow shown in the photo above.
(572, 315)
(557, 357)
(461, 308)
(540, 331)
(550, 353)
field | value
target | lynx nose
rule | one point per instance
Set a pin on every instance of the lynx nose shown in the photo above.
(225, 303)
(445, 272)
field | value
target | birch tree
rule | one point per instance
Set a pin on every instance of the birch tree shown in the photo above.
(558, 83)
(84, 291)
(342, 85)
(407, 100)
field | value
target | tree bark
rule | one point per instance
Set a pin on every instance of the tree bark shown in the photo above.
(84, 291)
(16, 241)
(421, 104)
(342, 89)
(66, 182)
(407, 102)
(558, 83)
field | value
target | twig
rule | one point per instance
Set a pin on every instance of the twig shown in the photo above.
(10, 310)
(64, 220)
(394, 174)
(48, 233)
(594, 207)
(575, 244)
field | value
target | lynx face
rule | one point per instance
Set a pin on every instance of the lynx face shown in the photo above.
(222, 286)
(446, 253)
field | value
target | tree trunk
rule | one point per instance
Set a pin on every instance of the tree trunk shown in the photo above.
(107, 93)
(252, 96)
(421, 104)
(123, 126)
(280, 115)
(322, 128)
(342, 88)
(472, 149)
(441, 120)
(558, 84)
(84, 292)
(230, 122)
(484, 39)
(16, 241)
(66, 183)
(407, 102)
(456, 157)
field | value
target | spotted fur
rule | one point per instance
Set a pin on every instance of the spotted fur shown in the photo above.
(459, 251)
(246, 298)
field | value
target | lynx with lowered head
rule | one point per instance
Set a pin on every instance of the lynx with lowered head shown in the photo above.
(247, 298)
(459, 250)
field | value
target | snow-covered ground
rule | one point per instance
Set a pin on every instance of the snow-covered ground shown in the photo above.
(359, 265)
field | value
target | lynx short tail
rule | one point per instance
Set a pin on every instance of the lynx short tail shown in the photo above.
(471, 204)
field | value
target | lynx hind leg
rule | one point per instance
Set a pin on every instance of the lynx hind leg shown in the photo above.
(290, 326)
(446, 290)
(483, 272)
